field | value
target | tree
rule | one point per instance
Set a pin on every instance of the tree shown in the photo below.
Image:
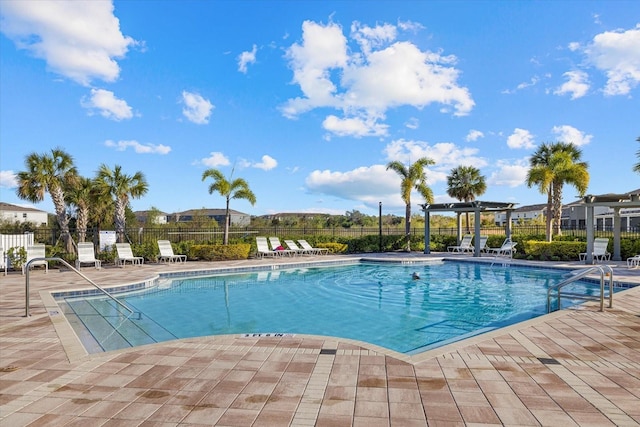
(552, 166)
(465, 183)
(50, 173)
(636, 167)
(413, 177)
(121, 187)
(80, 196)
(236, 189)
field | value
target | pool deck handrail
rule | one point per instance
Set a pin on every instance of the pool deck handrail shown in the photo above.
(26, 283)
(579, 275)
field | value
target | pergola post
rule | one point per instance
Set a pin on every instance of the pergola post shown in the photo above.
(616, 234)
(476, 239)
(590, 232)
(427, 232)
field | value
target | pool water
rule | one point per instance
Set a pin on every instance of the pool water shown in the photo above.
(377, 303)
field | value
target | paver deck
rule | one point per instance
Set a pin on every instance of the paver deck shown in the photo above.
(570, 368)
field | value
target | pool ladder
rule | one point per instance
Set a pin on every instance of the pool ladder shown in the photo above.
(577, 275)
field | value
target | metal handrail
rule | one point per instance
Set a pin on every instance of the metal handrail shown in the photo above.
(575, 276)
(26, 284)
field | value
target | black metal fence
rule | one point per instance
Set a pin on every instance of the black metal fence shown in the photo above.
(51, 236)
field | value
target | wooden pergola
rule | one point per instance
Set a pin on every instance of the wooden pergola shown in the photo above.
(477, 207)
(612, 201)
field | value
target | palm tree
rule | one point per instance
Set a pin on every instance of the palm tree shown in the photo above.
(465, 183)
(81, 196)
(636, 167)
(553, 165)
(121, 187)
(236, 189)
(49, 173)
(413, 177)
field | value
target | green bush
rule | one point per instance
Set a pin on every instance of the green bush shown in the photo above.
(334, 247)
(553, 251)
(220, 252)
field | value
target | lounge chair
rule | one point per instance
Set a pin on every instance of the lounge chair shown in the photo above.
(166, 253)
(633, 262)
(263, 248)
(297, 250)
(464, 246)
(3, 261)
(36, 251)
(86, 255)
(314, 251)
(483, 244)
(275, 245)
(507, 249)
(125, 254)
(599, 250)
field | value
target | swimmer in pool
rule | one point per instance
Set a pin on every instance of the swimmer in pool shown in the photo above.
(415, 276)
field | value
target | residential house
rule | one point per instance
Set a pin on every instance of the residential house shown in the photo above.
(522, 215)
(143, 217)
(238, 219)
(15, 213)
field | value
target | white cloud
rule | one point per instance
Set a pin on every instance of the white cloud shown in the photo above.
(520, 138)
(364, 83)
(247, 58)
(8, 179)
(196, 108)
(474, 135)
(109, 106)
(78, 39)
(138, 147)
(412, 123)
(570, 134)
(215, 159)
(355, 126)
(511, 174)
(365, 184)
(577, 84)
(573, 46)
(266, 164)
(617, 53)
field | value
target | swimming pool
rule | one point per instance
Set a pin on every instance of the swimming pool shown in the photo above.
(377, 303)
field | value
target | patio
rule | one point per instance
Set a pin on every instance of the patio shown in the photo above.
(574, 367)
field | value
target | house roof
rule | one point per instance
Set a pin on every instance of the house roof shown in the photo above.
(9, 207)
(206, 211)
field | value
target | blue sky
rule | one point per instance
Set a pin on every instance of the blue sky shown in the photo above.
(309, 100)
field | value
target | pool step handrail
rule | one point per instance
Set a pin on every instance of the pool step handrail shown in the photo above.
(26, 283)
(577, 275)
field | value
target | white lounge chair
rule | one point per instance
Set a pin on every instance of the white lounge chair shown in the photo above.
(297, 250)
(36, 251)
(315, 251)
(633, 262)
(464, 246)
(507, 249)
(483, 244)
(86, 255)
(599, 250)
(125, 254)
(3, 261)
(275, 244)
(166, 253)
(263, 248)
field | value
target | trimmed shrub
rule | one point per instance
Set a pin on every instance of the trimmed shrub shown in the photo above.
(553, 251)
(220, 252)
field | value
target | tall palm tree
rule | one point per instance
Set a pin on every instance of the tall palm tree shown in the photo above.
(413, 177)
(465, 183)
(121, 187)
(636, 167)
(81, 196)
(235, 189)
(552, 166)
(49, 173)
